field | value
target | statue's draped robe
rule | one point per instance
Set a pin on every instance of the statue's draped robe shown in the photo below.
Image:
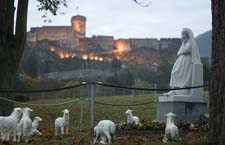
(181, 75)
(188, 55)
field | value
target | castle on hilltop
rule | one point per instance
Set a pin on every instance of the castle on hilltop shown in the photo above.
(74, 36)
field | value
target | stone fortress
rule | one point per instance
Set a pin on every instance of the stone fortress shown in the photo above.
(74, 36)
(76, 30)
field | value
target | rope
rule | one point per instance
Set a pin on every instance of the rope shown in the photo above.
(101, 84)
(83, 84)
(121, 105)
(149, 89)
(40, 105)
(39, 91)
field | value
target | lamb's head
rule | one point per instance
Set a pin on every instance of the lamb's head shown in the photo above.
(27, 111)
(170, 117)
(95, 135)
(37, 118)
(129, 112)
(66, 112)
(17, 111)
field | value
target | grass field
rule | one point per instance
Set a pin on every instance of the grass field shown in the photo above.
(114, 113)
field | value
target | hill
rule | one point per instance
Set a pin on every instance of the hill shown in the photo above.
(204, 44)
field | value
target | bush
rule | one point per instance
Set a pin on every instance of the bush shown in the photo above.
(22, 98)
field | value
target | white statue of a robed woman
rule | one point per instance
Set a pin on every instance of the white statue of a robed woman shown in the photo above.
(182, 73)
(188, 103)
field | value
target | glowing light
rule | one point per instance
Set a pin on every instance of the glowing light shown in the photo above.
(73, 55)
(122, 46)
(100, 59)
(67, 55)
(91, 57)
(85, 56)
(155, 64)
(96, 58)
(78, 27)
(52, 49)
(61, 55)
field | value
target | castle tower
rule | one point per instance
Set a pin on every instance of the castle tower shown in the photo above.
(78, 23)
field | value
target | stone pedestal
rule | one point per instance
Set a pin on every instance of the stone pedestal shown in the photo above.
(189, 107)
(186, 112)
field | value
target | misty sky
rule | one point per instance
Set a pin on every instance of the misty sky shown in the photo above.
(125, 19)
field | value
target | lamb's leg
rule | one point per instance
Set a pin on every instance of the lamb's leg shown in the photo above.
(173, 135)
(177, 136)
(62, 130)
(103, 140)
(113, 137)
(3, 135)
(96, 139)
(8, 135)
(18, 139)
(26, 135)
(14, 135)
(37, 131)
(165, 139)
(67, 130)
(26, 140)
(108, 137)
(19, 135)
(56, 131)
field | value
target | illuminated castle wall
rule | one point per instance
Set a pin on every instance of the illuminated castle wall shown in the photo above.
(75, 37)
(75, 31)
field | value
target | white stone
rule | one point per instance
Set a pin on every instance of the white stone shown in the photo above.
(171, 130)
(25, 125)
(130, 118)
(104, 132)
(62, 123)
(194, 95)
(8, 124)
(187, 72)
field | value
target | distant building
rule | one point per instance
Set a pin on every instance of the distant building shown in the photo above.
(75, 31)
(74, 36)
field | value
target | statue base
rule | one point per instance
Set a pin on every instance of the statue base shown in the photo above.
(183, 98)
(186, 112)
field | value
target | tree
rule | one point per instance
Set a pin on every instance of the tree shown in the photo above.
(12, 45)
(217, 83)
(116, 65)
(31, 67)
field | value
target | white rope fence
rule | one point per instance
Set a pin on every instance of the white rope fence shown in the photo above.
(40, 105)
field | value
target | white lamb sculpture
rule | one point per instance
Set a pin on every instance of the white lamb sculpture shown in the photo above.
(104, 132)
(25, 125)
(130, 118)
(62, 123)
(171, 131)
(35, 125)
(8, 124)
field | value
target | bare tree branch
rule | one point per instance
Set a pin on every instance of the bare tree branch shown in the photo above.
(143, 3)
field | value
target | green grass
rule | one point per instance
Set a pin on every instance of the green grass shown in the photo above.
(114, 113)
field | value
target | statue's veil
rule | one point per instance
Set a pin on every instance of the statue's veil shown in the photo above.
(194, 47)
